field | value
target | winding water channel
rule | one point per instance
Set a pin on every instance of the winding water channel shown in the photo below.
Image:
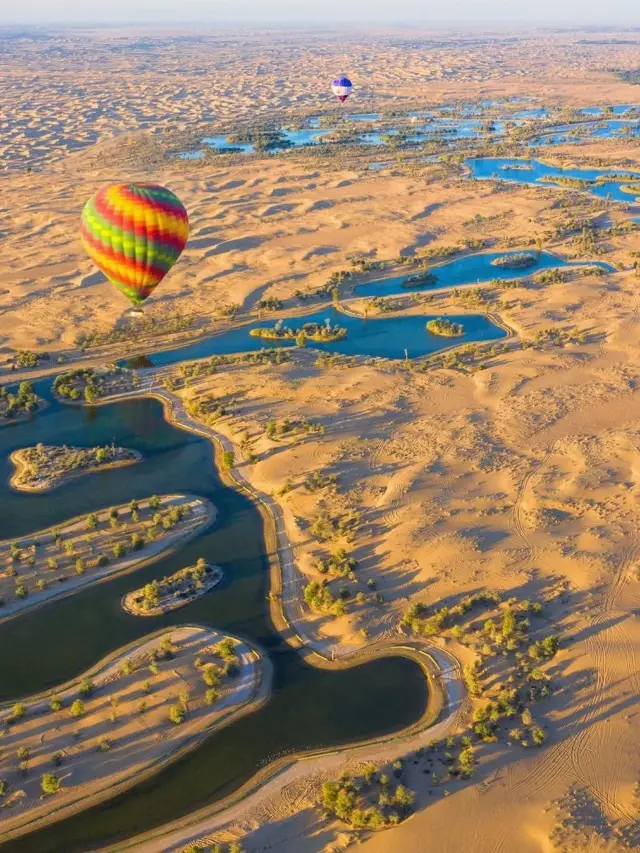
(605, 183)
(309, 708)
(486, 120)
(376, 337)
(473, 269)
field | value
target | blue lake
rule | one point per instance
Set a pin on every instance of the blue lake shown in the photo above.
(469, 269)
(540, 173)
(428, 125)
(422, 132)
(606, 129)
(534, 112)
(363, 117)
(379, 337)
(618, 110)
(309, 708)
(297, 138)
(305, 137)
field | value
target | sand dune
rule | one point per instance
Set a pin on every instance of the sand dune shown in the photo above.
(520, 475)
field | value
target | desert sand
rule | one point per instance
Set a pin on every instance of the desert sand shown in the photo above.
(58, 562)
(42, 468)
(172, 592)
(515, 473)
(113, 726)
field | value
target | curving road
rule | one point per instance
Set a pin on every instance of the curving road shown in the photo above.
(441, 667)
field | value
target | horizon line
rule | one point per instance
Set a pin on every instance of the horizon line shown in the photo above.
(470, 25)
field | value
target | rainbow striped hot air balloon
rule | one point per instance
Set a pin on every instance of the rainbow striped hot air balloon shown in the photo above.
(134, 234)
(341, 88)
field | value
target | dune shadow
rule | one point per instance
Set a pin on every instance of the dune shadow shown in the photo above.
(428, 210)
(241, 244)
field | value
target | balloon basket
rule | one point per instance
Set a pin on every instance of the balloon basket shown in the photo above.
(134, 312)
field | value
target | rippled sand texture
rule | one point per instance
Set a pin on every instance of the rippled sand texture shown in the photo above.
(61, 92)
(121, 728)
(522, 477)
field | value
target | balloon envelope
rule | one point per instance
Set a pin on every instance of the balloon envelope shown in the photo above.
(134, 233)
(341, 88)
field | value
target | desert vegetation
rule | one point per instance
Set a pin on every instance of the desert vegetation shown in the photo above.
(46, 466)
(188, 374)
(56, 561)
(20, 403)
(88, 384)
(508, 676)
(26, 358)
(520, 260)
(176, 590)
(445, 328)
(142, 328)
(418, 279)
(129, 711)
(292, 428)
(372, 801)
(316, 332)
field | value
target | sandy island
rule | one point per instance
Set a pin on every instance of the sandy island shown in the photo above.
(131, 715)
(21, 405)
(59, 561)
(271, 465)
(172, 592)
(515, 467)
(45, 467)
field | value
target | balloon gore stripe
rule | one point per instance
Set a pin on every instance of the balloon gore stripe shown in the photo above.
(341, 88)
(134, 233)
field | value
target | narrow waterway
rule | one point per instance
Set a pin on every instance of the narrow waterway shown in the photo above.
(376, 337)
(310, 708)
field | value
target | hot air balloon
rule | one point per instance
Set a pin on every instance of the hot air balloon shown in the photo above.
(134, 234)
(341, 88)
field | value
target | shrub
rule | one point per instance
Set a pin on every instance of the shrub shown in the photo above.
(77, 708)
(86, 686)
(538, 736)
(176, 714)
(18, 711)
(49, 783)
(210, 675)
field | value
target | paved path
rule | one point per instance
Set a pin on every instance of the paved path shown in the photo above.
(247, 691)
(203, 513)
(175, 836)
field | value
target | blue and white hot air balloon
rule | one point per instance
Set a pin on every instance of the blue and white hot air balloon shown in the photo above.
(341, 88)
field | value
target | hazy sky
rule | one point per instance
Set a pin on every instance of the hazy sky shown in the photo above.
(312, 11)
